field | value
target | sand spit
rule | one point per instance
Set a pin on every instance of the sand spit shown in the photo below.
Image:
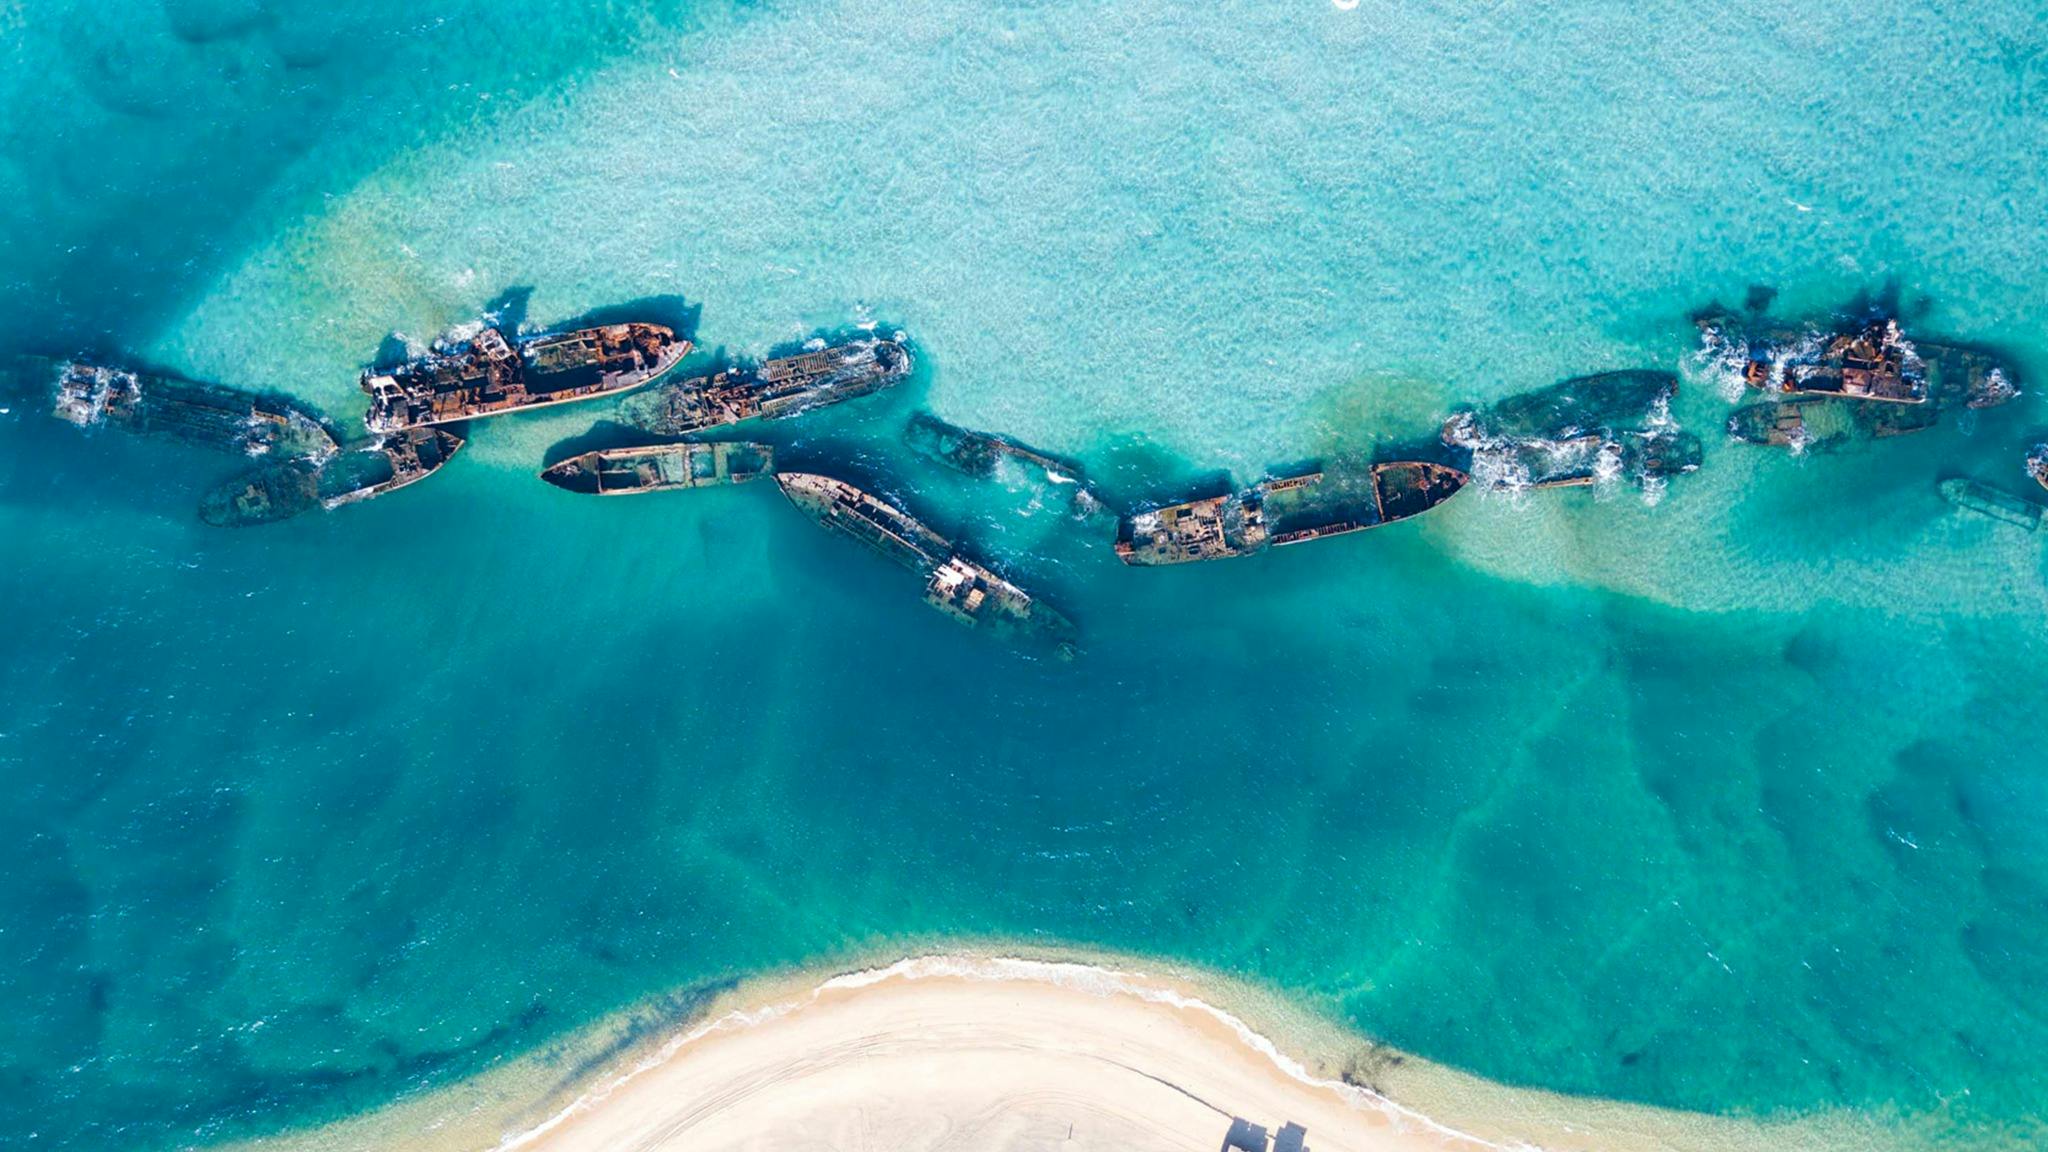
(987, 1052)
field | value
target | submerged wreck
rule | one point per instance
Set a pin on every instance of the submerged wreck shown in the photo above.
(1852, 380)
(981, 454)
(1579, 432)
(2037, 464)
(619, 471)
(1989, 501)
(1873, 363)
(775, 390)
(962, 589)
(1639, 458)
(985, 455)
(186, 411)
(491, 374)
(1568, 408)
(1809, 423)
(283, 490)
(1285, 510)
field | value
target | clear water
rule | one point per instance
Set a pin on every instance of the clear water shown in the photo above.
(1729, 803)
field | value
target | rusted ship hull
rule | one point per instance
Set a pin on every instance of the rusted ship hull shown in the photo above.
(1815, 423)
(492, 375)
(965, 591)
(971, 594)
(1874, 363)
(1988, 501)
(202, 415)
(776, 390)
(874, 522)
(1960, 377)
(1847, 381)
(1867, 359)
(1212, 529)
(622, 471)
(1286, 510)
(291, 488)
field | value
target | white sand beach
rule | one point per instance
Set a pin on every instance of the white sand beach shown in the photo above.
(955, 1062)
(985, 1053)
(964, 1051)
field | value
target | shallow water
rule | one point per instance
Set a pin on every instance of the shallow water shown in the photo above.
(1728, 802)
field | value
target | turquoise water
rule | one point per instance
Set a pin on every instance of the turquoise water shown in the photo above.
(1729, 802)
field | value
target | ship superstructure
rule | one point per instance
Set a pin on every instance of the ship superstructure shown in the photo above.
(1286, 510)
(620, 471)
(775, 390)
(490, 374)
(958, 586)
(1847, 380)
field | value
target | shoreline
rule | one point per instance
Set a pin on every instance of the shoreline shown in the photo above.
(1001, 1050)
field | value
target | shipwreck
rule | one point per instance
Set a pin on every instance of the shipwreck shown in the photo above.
(1988, 501)
(1286, 510)
(492, 373)
(773, 390)
(957, 586)
(620, 471)
(1578, 432)
(1811, 423)
(289, 488)
(981, 454)
(202, 415)
(1859, 378)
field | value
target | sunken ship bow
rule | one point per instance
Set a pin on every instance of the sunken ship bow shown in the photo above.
(774, 390)
(492, 374)
(981, 454)
(287, 489)
(956, 585)
(188, 412)
(1578, 432)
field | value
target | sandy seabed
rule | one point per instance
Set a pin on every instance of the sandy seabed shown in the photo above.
(963, 1051)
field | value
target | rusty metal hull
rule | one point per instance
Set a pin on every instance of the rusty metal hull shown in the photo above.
(881, 526)
(210, 416)
(1811, 423)
(291, 488)
(491, 375)
(962, 589)
(776, 390)
(624, 471)
(971, 594)
(1286, 510)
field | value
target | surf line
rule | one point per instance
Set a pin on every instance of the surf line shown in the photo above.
(1062, 974)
